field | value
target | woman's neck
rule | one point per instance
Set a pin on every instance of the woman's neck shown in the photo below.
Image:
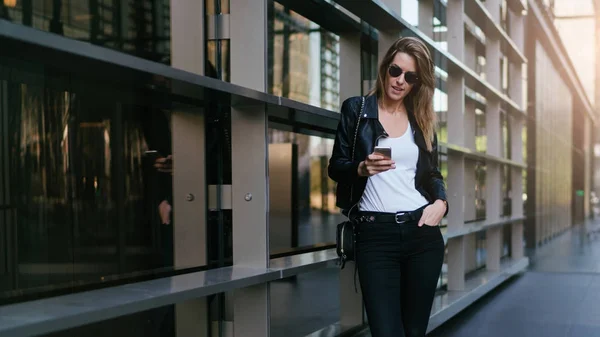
(393, 107)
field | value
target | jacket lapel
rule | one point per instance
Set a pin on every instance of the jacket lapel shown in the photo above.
(419, 138)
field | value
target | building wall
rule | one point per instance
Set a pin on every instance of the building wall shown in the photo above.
(554, 120)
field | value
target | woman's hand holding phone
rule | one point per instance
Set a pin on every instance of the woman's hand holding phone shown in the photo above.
(375, 163)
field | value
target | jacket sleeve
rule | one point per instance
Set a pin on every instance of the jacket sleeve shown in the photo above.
(437, 187)
(341, 167)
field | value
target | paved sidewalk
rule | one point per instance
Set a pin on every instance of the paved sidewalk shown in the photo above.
(559, 296)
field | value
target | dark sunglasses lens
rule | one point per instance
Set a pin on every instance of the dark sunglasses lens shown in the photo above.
(411, 78)
(395, 71)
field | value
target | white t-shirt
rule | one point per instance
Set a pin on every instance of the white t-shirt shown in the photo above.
(394, 190)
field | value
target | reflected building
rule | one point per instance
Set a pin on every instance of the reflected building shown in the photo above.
(138, 27)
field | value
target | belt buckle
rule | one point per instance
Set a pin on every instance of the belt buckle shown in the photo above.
(399, 214)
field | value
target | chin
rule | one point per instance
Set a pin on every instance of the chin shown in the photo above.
(395, 96)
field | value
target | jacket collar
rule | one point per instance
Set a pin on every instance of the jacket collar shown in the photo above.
(371, 111)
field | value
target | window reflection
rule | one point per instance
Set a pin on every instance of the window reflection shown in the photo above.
(302, 197)
(480, 250)
(506, 190)
(304, 60)
(505, 134)
(480, 131)
(480, 191)
(138, 27)
(84, 204)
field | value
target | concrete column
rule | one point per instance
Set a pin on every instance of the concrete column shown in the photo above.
(492, 62)
(493, 127)
(249, 143)
(470, 51)
(250, 218)
(493, 6)
(516, 138)
(456, 162)
(455, 17)
(469, 124)
(456, 264)
(187, 35)
(493, 186)
(456, 191)
(386, 39)
(517, 29)
(426, 17)
(456, 109)
(470, 252)
(189, 228)
(493, 239)
(493, 211)
(248, 29)
(456, 220)
(517, 240)
(469, 191)
(350, 79)
(351, 307)
(515, 85)
(517, 192)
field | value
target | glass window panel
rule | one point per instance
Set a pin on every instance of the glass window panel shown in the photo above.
(304, 60)
(302, 197)
(480, 190)
(138, 27)
(480, 131)
(91, 208)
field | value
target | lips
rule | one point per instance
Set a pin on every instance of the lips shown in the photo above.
(397, 88)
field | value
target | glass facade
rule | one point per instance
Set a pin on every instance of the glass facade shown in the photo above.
(303, 60)
(554, 150)
(303, 66)
(138, 27)
(86, 205)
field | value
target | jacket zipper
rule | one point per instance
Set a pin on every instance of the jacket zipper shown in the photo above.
(342, 245)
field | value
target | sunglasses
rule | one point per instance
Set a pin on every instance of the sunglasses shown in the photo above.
(409, 76)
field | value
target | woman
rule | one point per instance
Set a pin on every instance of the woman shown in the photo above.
(397, 202)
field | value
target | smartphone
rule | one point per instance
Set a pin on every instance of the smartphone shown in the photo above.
(153, 155)
(384, 151)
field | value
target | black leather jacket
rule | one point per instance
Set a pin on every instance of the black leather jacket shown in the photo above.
(342, 169)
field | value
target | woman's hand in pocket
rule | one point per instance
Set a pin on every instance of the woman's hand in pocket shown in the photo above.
(433, 214)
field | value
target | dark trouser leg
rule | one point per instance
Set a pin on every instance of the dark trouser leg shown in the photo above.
(380, 273)
(420, 274)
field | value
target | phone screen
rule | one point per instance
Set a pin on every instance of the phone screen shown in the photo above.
(384, 151)
(152, 155)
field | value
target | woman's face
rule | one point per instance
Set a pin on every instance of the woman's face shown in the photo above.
(401, 77)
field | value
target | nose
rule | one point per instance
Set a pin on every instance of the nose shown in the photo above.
(400, 79)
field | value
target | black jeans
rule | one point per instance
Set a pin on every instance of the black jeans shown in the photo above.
(398, 267)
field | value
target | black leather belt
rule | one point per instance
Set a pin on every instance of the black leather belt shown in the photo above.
(399, 217)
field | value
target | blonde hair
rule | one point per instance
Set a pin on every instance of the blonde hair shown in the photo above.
(420, 98)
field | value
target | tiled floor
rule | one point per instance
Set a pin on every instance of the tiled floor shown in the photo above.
(305, 304)
(559, 296)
